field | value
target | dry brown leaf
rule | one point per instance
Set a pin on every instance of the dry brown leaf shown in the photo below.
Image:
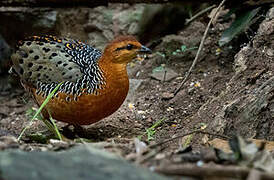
(220, 144)
(223, 145)
(205, 139)
(269, 145)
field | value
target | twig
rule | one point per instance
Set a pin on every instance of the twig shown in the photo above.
(266, 83)
(149, 156)
(23, 9)
(199, 14)
(186, 134)
(209, 170)
(200, 49)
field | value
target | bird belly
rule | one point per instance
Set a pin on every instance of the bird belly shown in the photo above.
(88, 108)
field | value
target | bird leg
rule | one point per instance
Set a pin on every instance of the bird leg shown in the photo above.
(73, 131)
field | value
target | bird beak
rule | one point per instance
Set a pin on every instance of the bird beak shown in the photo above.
(144, 49)
(142, 53)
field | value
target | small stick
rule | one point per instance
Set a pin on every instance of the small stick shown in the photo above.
(154, 153)
(164, 76)
(200, 49)
(186, 134)
(199, 14)
(208, 170)
(149, 156)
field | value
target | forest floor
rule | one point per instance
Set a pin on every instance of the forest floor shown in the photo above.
(147, 113)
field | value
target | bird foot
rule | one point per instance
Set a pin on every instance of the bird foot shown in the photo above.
(72, 131)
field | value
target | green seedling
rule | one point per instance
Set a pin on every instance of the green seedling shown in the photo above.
(159, 68)
(52, 126)
(150, 132)
(161, 54)
(183, 49)
(38, 137)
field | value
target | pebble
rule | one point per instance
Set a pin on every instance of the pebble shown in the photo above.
(167, 95)
(138, 125)
(8, 142)
(270, 52)
(160, 156)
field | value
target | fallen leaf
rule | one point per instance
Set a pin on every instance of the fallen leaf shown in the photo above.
(220, 144)
(269, 145)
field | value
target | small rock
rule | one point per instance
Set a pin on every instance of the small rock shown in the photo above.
(241, 58)
(266, 28)
(270, 52)
(56, 142)
(160, 156)
(167, 95)
(141, 112)
(7, 142)
(140, 146)
(137, 125)
(165, 74)
(191, 90)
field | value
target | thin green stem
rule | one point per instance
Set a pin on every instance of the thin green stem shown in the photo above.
(56, 129)
(40, 109)
(150, 131)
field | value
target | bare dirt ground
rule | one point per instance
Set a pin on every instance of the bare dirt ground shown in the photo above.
(148, 103)
(215, 86)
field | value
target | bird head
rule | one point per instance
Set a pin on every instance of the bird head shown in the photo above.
(123, 49)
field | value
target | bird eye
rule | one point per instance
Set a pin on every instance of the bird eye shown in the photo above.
(129, 46)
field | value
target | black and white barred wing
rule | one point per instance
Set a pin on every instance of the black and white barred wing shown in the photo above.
(44, 62)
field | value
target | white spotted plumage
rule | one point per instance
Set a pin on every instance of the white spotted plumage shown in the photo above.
(68, 58)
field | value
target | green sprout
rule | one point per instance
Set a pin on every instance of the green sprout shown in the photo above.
(52, 126)
(150, 132)
(183, 49)
(161, 54)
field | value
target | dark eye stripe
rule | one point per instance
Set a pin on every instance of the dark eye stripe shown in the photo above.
(120, 48)
(128, 47)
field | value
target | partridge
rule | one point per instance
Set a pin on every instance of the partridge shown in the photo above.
(94, 84)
